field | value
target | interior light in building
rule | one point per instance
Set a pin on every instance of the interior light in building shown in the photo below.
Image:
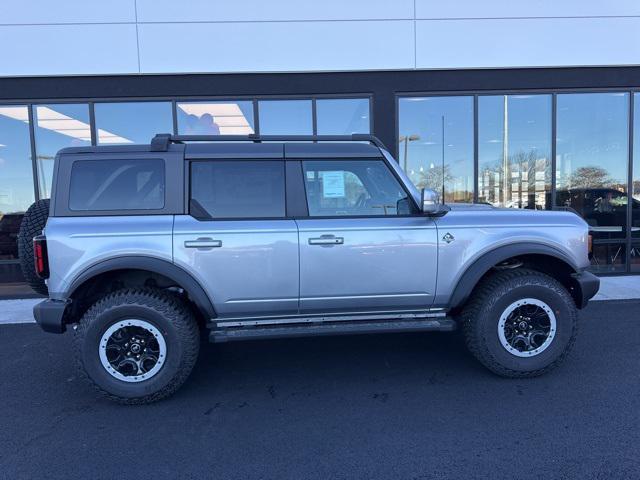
(50, 119)
(227, 116)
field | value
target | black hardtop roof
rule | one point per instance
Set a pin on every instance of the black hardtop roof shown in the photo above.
(268, 146)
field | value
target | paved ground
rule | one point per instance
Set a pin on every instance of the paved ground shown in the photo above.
(388, 407)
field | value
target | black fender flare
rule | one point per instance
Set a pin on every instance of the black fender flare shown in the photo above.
(488, 260)
(156, 265)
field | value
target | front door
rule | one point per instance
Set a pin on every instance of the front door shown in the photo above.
(237, 240)
(364, 245)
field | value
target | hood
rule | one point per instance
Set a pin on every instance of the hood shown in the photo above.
(472, 206)
(481, 214)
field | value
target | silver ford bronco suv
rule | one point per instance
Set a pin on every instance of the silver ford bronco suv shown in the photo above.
(143, 249)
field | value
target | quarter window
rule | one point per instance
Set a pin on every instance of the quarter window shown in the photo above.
(117, 185)
(353, 188)
(237, 189)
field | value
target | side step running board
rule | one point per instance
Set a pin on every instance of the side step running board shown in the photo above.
(444, 324)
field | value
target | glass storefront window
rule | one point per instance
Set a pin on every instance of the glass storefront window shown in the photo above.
(635, 257)
(285, 117)
(55, 127)
(436, 144)
(342, 116)
(592, 161)
(132, 122)
(514, 150)
(215, 118)
(16, 176)
(635, 194)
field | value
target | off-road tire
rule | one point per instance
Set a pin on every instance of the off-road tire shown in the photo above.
(480, 317)
(163, 310)
(32, 225)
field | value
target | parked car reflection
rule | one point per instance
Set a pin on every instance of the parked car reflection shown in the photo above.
(9, 227)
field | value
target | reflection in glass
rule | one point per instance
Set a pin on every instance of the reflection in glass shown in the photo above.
(342, 116)
(285, 117)
(436, 144)
(635, 226)
(16, 188)
(635, 196)
(215, 118)
(592, 168)
(57, 126)
(514, 150)
(635, 257)
(131, 122)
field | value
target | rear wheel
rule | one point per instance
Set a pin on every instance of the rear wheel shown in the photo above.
(137, 346)
(520, 323)
(33, 223)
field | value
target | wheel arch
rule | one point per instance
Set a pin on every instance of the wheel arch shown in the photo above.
(535, 256)
(156, 268)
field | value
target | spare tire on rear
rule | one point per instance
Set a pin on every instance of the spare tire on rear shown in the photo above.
(32, 225)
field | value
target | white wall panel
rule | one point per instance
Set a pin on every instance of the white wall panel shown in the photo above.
(68, 49)
(527, 42)
(287, 46)
(263, 10)
(66, 11)
(426, 9)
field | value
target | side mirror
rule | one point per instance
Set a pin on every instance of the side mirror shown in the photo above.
(430, 201)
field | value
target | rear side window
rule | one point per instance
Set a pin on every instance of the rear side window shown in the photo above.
(117, 185)
(237, 189)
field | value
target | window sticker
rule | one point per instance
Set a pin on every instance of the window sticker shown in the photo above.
(333, 184)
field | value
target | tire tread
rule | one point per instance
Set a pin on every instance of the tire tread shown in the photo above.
(490, 291)
(33, 222)
(168, 305)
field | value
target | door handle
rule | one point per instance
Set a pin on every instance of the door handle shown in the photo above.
(326, 240)
(203, 243)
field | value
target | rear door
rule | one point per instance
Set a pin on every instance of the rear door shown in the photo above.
(364, 246)
(236, 238)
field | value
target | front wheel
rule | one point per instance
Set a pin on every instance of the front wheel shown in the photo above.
(137, 345)
(520, 323)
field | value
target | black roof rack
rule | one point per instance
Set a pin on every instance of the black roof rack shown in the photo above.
(161, 142)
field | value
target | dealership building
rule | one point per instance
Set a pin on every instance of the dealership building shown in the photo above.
(518, 104)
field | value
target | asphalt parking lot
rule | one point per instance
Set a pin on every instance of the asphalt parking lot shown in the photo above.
(386, 406)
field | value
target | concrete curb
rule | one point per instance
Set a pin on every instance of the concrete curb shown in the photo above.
(611, 288)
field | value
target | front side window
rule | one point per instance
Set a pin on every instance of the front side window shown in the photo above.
(237, 189)
(117, 185)
(353, 188)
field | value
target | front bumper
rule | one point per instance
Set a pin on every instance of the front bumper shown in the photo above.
(49, 314)
(588, 285)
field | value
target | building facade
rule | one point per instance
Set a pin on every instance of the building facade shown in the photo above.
(518, 104)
